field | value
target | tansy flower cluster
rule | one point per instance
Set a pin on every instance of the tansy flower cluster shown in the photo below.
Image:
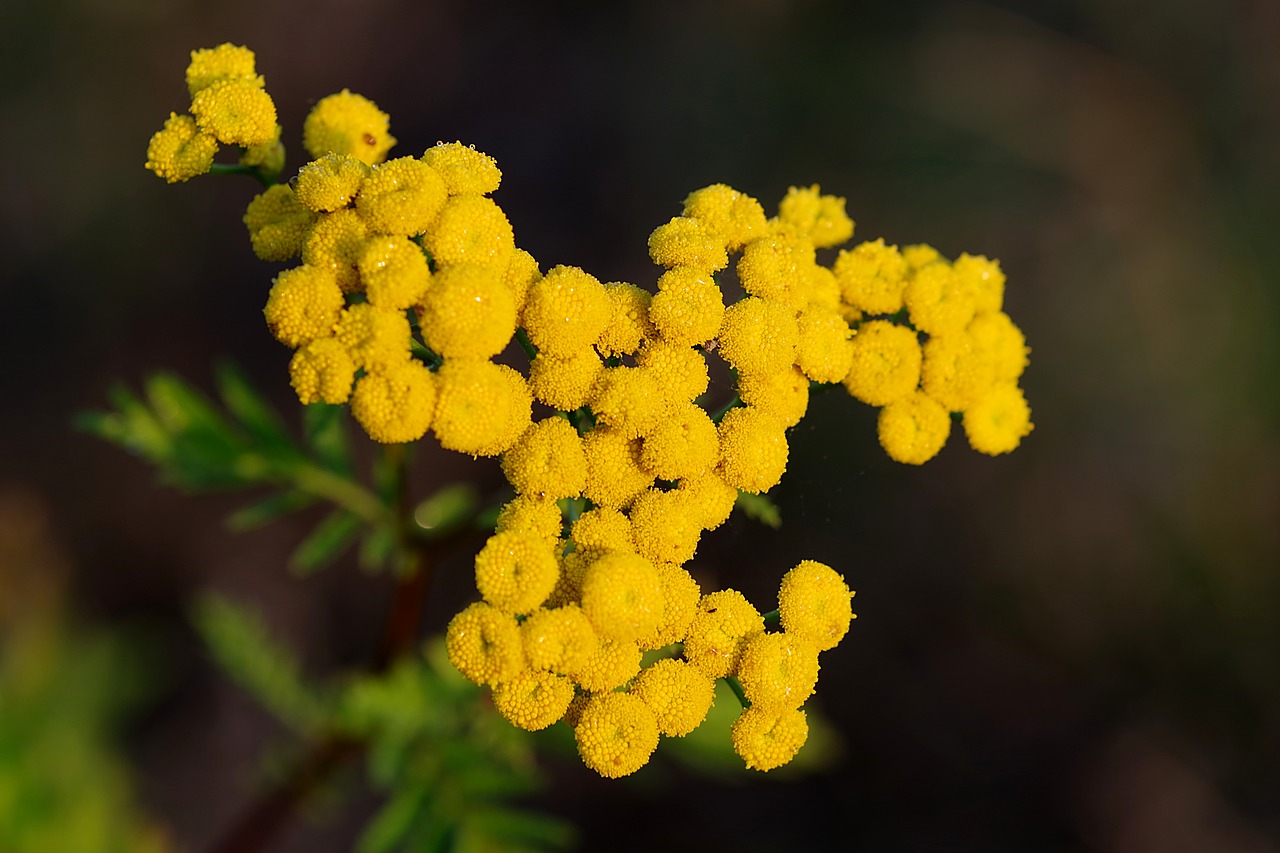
(406, 284)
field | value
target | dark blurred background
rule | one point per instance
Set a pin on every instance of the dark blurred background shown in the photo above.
(1074, 647)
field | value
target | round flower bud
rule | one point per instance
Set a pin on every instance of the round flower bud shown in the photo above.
(394, 272)
(825, 353)
(601, 529)
(347, 123)
(939, 301)
(471, 229)
(955, 371)
(566, 311)
(464, 169)
(735, 217)
(278, 224)
(515, 572)
(181, 150)
(616, 734)
(998, 421)
(622, 596)
(722, 626)
(682, 445)
(713, 499)
(483, 407)
(819, 217)
(467, 312)
(680, 371)
(376, 339)
(685, 242)
(778, 671)
(680, 596)
(565, 382)
(484, 644)
(330, 182)
(984, 278)
(666, 526)
(304, 304)
(753, 450)
(680, 695)
(611, 665)
(224, 62)
(614, 473)
(767, 739)
(872, 277)
(886, 363)
(912, 430)
(402, 197)
(395, 405)
(533, 700)
(688, 307)
(335, 243)
(236, 112)
(629, 324)
(814, 603)
(559, 639)
(759, 336)
(537, 516)
(781, 393)
(322, 371)
(548, 461)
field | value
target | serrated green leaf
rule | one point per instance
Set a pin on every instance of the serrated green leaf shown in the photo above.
(180, 408)
(244, 402)
(326, 542)
(326, 431)
(268, 509)
(760, 508)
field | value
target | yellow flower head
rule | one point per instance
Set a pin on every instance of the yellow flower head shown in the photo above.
(825, 353)
(997, 339)
(573, 567)
(684, 444)
(753, 449)
(471, 229)
(735, 217)
(767, 739)
(778, 671)
(616, 734)
(783, 394)
(712, 497)
(267, 157)
(484, 644)
(559, 639)
(721, 628)
(920, 256)
(776, 266)
(629, 324)
(335, 243)
(611, 665)
(533, 700)
(815, 603)
(483, 407)
(955, 372)
(225, 62)
(565, 382)
(614, 473)
(347, 123)
(666, 526)
(402, 197)
(688, 307)
(939, 301)
(824, 289)
(522, 272)
(330, 182)
(622, 596)
(515, 572)
(322, 371)
(377, 339)
(236, 112)
(566, 311)
(464, 169)
(304, 303)
(548, 461)
(998, 420)
(912, 430)
(872, 277)
(685, 242)
(680, 371)
(278, 224)
(629, 400)
(886, 363)
(679, 695)
(395, 405)
(819, 217)
(467, 312)
(601, 529)
(181, 150)
(537, 516)
(985, 279)
(680, 596)
(759, 335)
(394, 272)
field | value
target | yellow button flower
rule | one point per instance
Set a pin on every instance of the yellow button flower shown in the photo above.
(464, 169)
(769, 739)
(712, 497)
(330, 182)
(559, 639)
(610, 666)
(565, 382)
(685, 242)
(522, 271)
(394, 272)
(629, 324)
(236, 112)
(377, 339)
(939, 301)
(616, 734)
(998, 420)
(680, 371)
(820, 217)
(720, 629)
(225, 62)
(688, 307)
(267, 157)
(759, 335)
(783, 394)
(778, 671)
(548, 461)
(622, 596)
(815, 603)
(278, 224)
(1000, 342)
(886, 363)
(955, 372)
(679, 695)
(628, 400)
(483, 407)
(680, 597)
(347, 123)
(533, 700)
(776, 267)
(753, 449)
(322, 371)
(335, 243)
(484, 644)
(537, 516)
(395, 405)
(471, 229)
(666, 526)
(824, 353)
(736, 218)
(601, 529)
(920, 256)
(684, 444)
(402, 197)
(984, 278)
(872, 277)
(467, 312)
(824, 290)
(566, 311)
(515, 572)
(181, 150)
(304, 304)
(912, 430)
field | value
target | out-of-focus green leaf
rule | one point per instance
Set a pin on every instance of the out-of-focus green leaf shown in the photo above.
(249, 407)
(325, 542)
(523, 830)
(395, 820)
(377, 548)
(447, 510)
(326, 431)
(760, 508)
(268, 509)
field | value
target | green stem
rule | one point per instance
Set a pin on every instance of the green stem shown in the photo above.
(237, 169)
(522, 337)
(342, 491)
(736, 687)
(771, 618)
(733, 403)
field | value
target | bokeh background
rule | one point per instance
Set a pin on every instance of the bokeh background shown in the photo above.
(1074, 647)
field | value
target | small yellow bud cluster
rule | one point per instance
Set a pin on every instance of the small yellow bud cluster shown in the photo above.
(229, 106)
